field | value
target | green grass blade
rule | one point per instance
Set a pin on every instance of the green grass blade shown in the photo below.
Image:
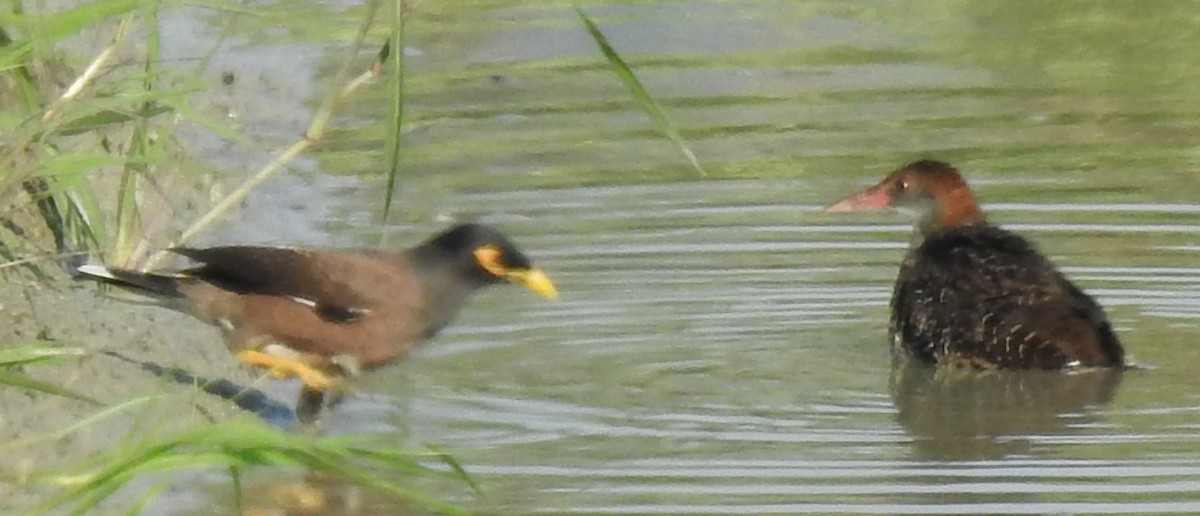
(29, 353)
(66, 167)
(83, 212)
(395, 104)
(128, 216)
(237, 444)
(99, 120)
(649, 105)
(23, 381)
(458, 469)
(382, 484)
(149, 496)
(81, 424)
(53, 27)
(217, 126)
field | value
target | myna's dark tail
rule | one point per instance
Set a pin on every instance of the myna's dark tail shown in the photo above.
(145, 283)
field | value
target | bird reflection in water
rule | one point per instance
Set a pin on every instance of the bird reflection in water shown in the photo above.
(965, 414)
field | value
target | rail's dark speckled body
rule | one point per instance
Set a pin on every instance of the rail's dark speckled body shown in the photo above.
(972, 294)
(981, 296)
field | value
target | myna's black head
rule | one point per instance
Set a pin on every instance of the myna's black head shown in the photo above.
(488, 256)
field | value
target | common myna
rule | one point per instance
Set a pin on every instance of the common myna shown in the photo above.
(322, 314)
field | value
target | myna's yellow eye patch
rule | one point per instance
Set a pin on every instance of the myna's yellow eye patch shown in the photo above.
(488, 257)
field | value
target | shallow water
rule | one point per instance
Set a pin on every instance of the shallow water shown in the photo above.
(720, 347)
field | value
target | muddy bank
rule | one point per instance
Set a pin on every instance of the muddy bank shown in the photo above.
(79, 314)
(72, 314)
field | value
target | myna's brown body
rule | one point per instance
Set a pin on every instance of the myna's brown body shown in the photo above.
(321, 313)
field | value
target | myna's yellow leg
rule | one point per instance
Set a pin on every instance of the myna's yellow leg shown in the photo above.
(283, 367)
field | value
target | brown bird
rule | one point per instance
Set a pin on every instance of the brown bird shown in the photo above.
(320, 315)
(970, 293)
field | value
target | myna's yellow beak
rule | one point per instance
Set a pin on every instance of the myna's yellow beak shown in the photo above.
(535, 280)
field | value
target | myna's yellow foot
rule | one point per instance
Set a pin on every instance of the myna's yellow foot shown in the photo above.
(285, 367)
